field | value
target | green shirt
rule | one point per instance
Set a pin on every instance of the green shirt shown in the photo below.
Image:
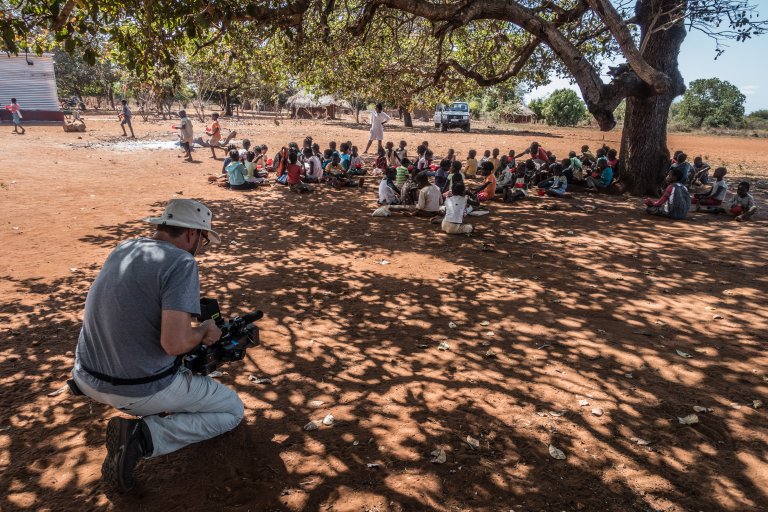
(402, 175)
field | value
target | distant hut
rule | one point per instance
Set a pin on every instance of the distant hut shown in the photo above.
(524, 115)
(305, 105)
(31, 80)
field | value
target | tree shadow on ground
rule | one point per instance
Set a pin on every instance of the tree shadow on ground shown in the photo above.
(573, 306)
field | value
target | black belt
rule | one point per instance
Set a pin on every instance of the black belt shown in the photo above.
(118, 381)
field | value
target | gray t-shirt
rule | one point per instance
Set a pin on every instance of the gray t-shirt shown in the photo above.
(123, 311)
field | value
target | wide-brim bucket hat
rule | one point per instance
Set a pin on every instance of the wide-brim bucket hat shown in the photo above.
(187, 213)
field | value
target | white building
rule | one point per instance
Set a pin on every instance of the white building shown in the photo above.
(31, 80)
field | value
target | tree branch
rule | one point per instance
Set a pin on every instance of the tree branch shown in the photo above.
(660, 82)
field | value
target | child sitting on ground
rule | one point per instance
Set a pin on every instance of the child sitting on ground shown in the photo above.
(557, 186)
(409, 190)
(715, 195)
(250, 168)
(486, 157)
(355, 162)
(380, 166)
(337, 177)
(401, 152)
(495, 160)
(506, 179)
(742, 206)
(428, 203)
(345, 159)
(676, 200)
(332, 147)
(441, 176)
(313, 168)
(401, 173)
(392, 160)
(451, 155)
(681, 161)
(455, 209)
(470, 166)
(388, 191)
(576, 168)
(294, 171)
(700, 171)
(236, 173)
(613, 159)
(519, 190)
(586, 157)
(487, 189)
(511, 160)
(605, 173)
(455, 176)
(425, 162)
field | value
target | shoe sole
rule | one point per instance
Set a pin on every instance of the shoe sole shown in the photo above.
(110, 468)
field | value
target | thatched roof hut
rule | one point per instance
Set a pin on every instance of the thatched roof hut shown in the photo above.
(306, 105)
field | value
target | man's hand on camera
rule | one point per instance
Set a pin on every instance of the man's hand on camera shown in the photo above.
(212, 332)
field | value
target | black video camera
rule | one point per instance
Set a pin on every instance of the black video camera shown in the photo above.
(237, 335)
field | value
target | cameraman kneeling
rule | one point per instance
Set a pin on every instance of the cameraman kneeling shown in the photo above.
(138, 318)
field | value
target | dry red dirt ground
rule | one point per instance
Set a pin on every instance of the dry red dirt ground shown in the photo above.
(581, 311)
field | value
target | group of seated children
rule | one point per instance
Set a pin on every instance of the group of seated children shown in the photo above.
(421, 186)
(676, 200)
(244, 169)
(407, 187)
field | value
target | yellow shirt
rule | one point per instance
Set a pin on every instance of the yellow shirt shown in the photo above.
(470, 167)
(495, 162)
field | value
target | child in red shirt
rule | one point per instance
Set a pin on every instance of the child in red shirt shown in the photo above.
(294, 172)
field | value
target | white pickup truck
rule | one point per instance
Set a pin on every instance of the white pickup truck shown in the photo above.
(454, 115)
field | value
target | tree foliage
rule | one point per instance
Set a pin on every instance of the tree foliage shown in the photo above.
(712, 102)
(75, 77)
(537, 106)
(564, 108)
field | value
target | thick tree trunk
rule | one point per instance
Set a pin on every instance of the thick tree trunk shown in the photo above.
(407, 120)
(644, 154)
(111, 95)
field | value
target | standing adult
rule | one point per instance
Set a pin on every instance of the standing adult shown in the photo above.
(378, 119)
(185, 134)
(137, 320)
(16, 115)
(125, 119)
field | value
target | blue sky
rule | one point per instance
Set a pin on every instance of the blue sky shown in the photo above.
(742, 64)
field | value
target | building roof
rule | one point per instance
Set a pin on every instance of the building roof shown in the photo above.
(31, 80)
(309, 100)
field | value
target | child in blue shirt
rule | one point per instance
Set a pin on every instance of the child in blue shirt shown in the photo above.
(345, 158)
(236, 173)
(606, 176)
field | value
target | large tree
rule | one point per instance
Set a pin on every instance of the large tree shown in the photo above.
(488, 41)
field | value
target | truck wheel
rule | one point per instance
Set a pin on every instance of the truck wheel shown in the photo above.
(465, 128)
(443, 127)
(437, 125)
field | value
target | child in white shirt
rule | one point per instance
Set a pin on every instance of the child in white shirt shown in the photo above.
(455, 208)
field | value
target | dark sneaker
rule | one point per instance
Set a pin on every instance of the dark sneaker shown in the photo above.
(127, 442)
